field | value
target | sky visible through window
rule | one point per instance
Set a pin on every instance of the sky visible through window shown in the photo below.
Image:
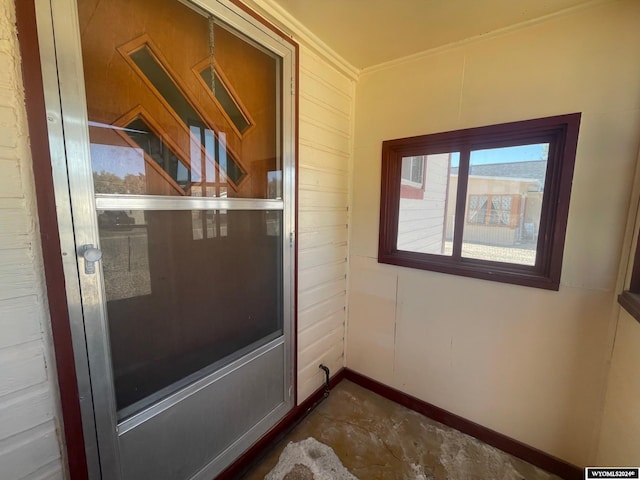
(522, 153)
(120, 161)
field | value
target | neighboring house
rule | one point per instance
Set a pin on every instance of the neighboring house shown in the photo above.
(503, 204)
(423, 205)
(502, 211)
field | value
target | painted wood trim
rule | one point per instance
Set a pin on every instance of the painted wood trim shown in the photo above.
(271, 9)
(49, 235)
(631, 303)
(296, 208)
(498, 440)
(259, 449)
(508, 445)
(634, 283)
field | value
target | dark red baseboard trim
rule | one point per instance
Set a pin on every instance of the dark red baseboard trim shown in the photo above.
(490, 437)
(513, 447)
(277, 433)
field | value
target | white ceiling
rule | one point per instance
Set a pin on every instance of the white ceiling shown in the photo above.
(370, 32)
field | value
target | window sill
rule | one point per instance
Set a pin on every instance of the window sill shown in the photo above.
(631, 303)
(481, 269)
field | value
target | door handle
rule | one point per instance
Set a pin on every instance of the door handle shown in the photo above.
(91, 255)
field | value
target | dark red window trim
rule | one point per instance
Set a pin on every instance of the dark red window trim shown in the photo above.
(561, 132)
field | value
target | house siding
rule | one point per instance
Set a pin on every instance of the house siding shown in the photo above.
(326, 105)
(421, 220)
(29, 411)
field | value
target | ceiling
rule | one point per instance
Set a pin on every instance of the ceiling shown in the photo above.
(370, 32)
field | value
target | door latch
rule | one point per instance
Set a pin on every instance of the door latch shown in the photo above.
(91, 255)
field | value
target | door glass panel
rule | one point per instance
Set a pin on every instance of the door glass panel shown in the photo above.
(218, 128)
(187, 293)
(153, 146)
(230, 105)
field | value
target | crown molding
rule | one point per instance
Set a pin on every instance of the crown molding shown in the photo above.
(273, 12)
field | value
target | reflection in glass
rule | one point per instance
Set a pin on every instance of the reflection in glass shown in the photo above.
(187, 292)
(151, 68)
(504, 200)
(217, 134)
(125, 249)
(226, 100)
(413, 170)
(209, 224)
(427, 203)
(118, 169)
(139, 132)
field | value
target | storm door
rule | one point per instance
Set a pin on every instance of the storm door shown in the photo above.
(174, 155)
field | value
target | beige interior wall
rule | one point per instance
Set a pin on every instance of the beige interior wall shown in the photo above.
(526, 362)
(619, 438)
(620, 435)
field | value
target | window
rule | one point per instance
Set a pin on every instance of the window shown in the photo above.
(630, 299)
(413, 171)
(488, 202)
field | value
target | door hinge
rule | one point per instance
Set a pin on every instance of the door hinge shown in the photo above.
(291, 239)
(293, 87)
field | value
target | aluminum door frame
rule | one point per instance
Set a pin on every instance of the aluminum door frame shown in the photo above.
(76, 204)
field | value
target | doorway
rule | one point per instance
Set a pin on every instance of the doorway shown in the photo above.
(172, 141)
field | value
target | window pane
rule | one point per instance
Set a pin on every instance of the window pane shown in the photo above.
(427, 203)
(222, 94)
(162, 123)
(504, 200)
(157, 150)
(187, 292)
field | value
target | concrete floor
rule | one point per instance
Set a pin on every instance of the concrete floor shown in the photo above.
(378, 439)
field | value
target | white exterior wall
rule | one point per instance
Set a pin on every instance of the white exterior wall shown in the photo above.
(29, 414)
(326, 104)
(525, 362)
